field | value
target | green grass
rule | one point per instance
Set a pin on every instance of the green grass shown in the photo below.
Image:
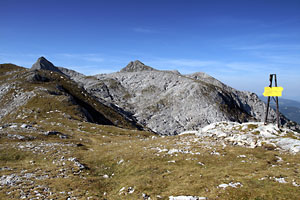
(153, 175)
(62, 94)
(104, 146)
(4, 68)
(12, 155)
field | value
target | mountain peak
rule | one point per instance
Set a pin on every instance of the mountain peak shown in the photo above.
(136, 66)
(43, 63)
(42, 58)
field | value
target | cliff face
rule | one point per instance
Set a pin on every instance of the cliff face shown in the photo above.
(169, 103)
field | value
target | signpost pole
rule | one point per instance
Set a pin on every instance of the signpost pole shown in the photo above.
(277, 105)
(268, 103)
(275, 91)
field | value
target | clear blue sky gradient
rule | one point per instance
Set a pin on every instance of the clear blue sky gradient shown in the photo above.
(239, 42)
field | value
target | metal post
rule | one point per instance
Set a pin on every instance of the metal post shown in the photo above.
(268, 104)
(277, 106)
(276, 100)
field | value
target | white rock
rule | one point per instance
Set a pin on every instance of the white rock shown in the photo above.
(215, 153)
(14, 126)
(10, 180)
(130, 190)
(280, 180)
(231, 184)
(186, 198)
(295, 184)
(224, 185)
(24, 126)
(268, 134)
(279, 159)
(105, 176)
(120, 161)
(171, 151)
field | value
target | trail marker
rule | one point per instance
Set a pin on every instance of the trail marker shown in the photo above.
(273, 92)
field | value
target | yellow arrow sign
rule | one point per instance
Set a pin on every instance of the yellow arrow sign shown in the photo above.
(273, 92)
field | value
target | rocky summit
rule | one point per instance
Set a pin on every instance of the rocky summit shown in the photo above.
(44, 64)
(168, 102)
(137, 66)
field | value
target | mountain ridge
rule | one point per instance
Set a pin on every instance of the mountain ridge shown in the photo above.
(165, 102)
(27, 89)
(169, 103)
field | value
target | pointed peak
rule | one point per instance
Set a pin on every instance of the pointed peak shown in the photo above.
(42, 59)
(137, 66)
(44, 64)
(137, 62)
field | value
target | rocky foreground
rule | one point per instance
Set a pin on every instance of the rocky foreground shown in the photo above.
(252, 135)
(81, 160)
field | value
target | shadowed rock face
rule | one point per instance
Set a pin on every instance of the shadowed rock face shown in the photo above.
(44, 64)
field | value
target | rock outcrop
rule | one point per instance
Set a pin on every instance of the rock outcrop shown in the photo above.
(44, 64)
(252, 135)
(136, 66)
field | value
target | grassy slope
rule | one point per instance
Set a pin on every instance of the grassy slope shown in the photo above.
(57, 93)
(147, 170)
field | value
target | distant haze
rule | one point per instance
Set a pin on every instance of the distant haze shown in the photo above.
(290, 108)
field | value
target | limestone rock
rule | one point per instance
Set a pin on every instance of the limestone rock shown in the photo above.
(44, 64)
(169, 103)
(136, 66)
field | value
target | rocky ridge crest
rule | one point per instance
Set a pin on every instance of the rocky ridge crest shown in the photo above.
(44, 64)
(136, 66)
(169, 103)
(29, 95)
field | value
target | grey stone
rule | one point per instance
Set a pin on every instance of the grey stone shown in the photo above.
(137, 66)
(44, 64)
(52, 133)
(168, 102)
(9, 180)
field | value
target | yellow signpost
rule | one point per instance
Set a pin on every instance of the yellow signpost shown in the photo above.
(273, 92)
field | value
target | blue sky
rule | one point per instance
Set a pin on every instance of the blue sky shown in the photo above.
(239, 42)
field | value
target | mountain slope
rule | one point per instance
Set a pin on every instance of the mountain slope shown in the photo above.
(30, 95)
(168, 102)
